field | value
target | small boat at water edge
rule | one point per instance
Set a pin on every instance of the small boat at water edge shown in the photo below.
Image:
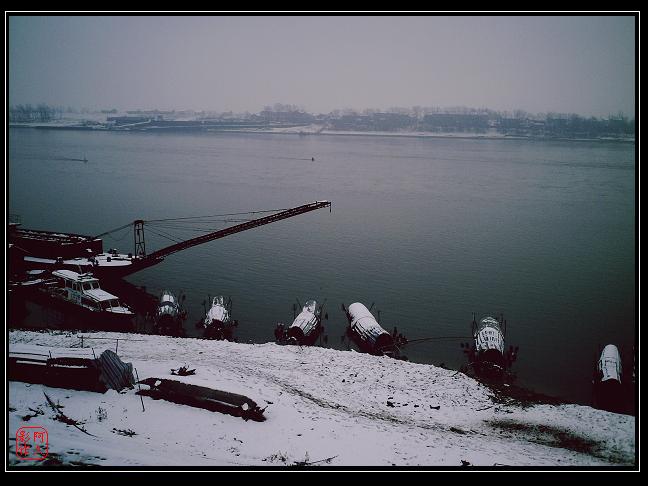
(169, 315)
(306, 327)
(365, 331)
(488, 355)
(81, 293)
(218, 321)
(607, 382)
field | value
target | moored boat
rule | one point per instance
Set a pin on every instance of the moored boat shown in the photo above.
(81, 293)
(608, 393)
(51, 244)
(169, 315)
(488, 356)
(367, 333)
(218, 321)
(489, 341)
(307, 326)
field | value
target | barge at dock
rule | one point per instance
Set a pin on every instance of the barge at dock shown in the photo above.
(52, 245)
(66, 251)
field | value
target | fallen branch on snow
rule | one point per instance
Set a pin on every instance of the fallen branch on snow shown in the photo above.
(310, 463)
(61, 417)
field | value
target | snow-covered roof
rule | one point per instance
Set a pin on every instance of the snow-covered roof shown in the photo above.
(488, 321)
(99, 295)
(77, 277)
(304, 320)
(359, 311)
(105, 260)
(168, 298)
(364, 321)
(101, 259)
(47, 261)
(310, 306)
(119, 309)
(217, 312)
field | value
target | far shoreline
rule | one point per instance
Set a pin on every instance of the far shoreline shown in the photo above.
(301, 134)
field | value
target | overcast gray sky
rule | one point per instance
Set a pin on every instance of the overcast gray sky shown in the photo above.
(582, 65)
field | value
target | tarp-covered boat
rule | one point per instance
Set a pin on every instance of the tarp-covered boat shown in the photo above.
(367, 333)
(608, 390)
(307, 326)
(77, 369)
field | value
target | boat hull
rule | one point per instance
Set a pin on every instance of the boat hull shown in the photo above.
(77, 317)
(50, 244)
(365, 331)
(296, 335)
(168, 325)
(306, 327)
(219, 331)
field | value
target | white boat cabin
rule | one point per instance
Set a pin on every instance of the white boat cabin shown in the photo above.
(83, 289)
(168, 305)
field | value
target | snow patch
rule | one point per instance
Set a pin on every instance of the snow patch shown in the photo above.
(324, 407)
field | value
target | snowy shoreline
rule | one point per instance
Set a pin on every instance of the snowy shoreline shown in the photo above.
(307, 132)
(324, 408)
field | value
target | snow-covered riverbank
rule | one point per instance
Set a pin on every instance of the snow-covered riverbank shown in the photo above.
(311, 130)
(324, 407)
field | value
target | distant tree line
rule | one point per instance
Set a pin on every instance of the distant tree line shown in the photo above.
(518, 123)
(457, 119)
(39, 113)
(575, 125)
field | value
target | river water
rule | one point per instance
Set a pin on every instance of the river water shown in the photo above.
(430, 229)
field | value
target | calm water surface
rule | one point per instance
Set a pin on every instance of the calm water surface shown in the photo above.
(430, 230)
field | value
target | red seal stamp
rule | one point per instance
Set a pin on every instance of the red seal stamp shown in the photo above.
(32, 443)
